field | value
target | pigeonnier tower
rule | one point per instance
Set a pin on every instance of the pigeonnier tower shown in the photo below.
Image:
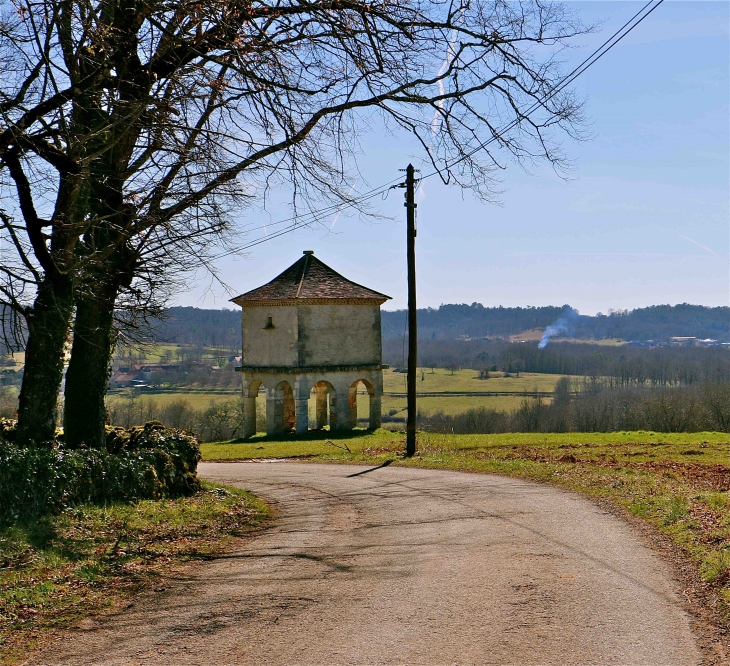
(310, 329)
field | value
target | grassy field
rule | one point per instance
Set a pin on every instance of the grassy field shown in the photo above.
(55, 571)
(196, 399)
(606, 342)
(438, 381)
(677, 483)
(200, 400)
(467, 381)
(453, 404)
(159, 353)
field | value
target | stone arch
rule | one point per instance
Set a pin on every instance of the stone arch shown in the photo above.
(325, 405)
(280, 412)
(352, 401)
(252, 391)
(373, 404)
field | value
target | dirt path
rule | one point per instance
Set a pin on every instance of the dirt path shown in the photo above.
(407, 566)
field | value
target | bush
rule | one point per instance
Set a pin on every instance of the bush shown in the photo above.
(219, 421)
(145, 462)
(596, 408)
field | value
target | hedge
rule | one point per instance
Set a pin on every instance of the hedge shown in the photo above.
(145, 462)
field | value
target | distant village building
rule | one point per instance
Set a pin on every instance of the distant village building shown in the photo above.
(310, 329)
(682, 341)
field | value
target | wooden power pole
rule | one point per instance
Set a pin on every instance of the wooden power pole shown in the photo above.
(412, 323)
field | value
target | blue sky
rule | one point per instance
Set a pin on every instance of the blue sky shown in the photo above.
(642, 219)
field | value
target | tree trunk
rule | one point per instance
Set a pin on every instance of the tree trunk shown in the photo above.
(47, 330)
(87, 377)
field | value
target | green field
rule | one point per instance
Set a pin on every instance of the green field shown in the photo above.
(605, 342)
(199, 400)
(467, 381)
(440, 381)
(159, 353)
(678, 483)
(453, 404)
(639, 446)
(196, 399)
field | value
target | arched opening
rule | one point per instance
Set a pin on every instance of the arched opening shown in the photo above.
(323, 406)
(283, 409)
(360, 404)
(254, 411)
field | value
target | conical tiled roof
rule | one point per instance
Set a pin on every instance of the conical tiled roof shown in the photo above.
(309, 279)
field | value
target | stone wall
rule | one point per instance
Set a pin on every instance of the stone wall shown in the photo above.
(339, 335)
(311, 335)
(277, 344)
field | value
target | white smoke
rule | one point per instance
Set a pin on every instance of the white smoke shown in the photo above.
(563, 325)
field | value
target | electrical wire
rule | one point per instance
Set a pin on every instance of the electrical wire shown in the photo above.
(588, 62)
(306, 220)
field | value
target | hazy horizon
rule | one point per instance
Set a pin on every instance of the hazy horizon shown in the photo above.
(541, 305)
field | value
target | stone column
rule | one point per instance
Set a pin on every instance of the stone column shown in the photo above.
(302, 415)
(352, 407)
(321, 417)
(249, 417)
(339, 412)
(375, 409)
(273, 406)
(301, 405)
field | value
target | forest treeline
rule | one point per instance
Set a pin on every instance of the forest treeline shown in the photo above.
(196, 326)
(658, 322)
(617, 365)
(588, 406)
(222, 328)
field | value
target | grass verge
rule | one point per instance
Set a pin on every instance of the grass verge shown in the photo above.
(56, 570)
(677, 483)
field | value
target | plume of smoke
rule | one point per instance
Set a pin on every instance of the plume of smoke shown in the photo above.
(563, 325)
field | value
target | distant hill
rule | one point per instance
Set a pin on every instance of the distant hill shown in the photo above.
(195, 326)
(222, 328)
(657, 322)
(475, 321)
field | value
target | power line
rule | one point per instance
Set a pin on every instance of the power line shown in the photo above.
(588, 62)
(308, 219)
(302, 221)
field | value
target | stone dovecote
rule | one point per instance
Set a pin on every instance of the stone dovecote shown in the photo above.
(310, 330)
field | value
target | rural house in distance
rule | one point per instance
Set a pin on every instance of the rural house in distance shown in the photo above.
(310, 329)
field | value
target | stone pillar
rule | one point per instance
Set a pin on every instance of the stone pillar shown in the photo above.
(321, 418)
(339, 413)
(301, 406)
(249, 417)
(352, 407)
(374, 411)
(273, 405)
(302, 415)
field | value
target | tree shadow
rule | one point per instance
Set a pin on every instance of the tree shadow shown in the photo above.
(309, 436)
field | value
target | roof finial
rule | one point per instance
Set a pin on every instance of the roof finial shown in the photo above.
(308, 252)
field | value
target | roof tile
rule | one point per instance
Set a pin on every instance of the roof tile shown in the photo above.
(310, 278)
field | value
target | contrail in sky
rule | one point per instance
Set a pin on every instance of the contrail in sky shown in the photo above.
(339, 212)
(436, 122)
(699, 245)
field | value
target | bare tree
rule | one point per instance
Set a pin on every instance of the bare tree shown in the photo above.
(130, 131)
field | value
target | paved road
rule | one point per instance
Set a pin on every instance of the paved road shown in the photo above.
(407, 566)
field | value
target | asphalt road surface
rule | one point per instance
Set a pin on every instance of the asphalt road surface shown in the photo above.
(406, 566)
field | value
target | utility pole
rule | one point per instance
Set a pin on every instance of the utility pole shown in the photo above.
(412, 323)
